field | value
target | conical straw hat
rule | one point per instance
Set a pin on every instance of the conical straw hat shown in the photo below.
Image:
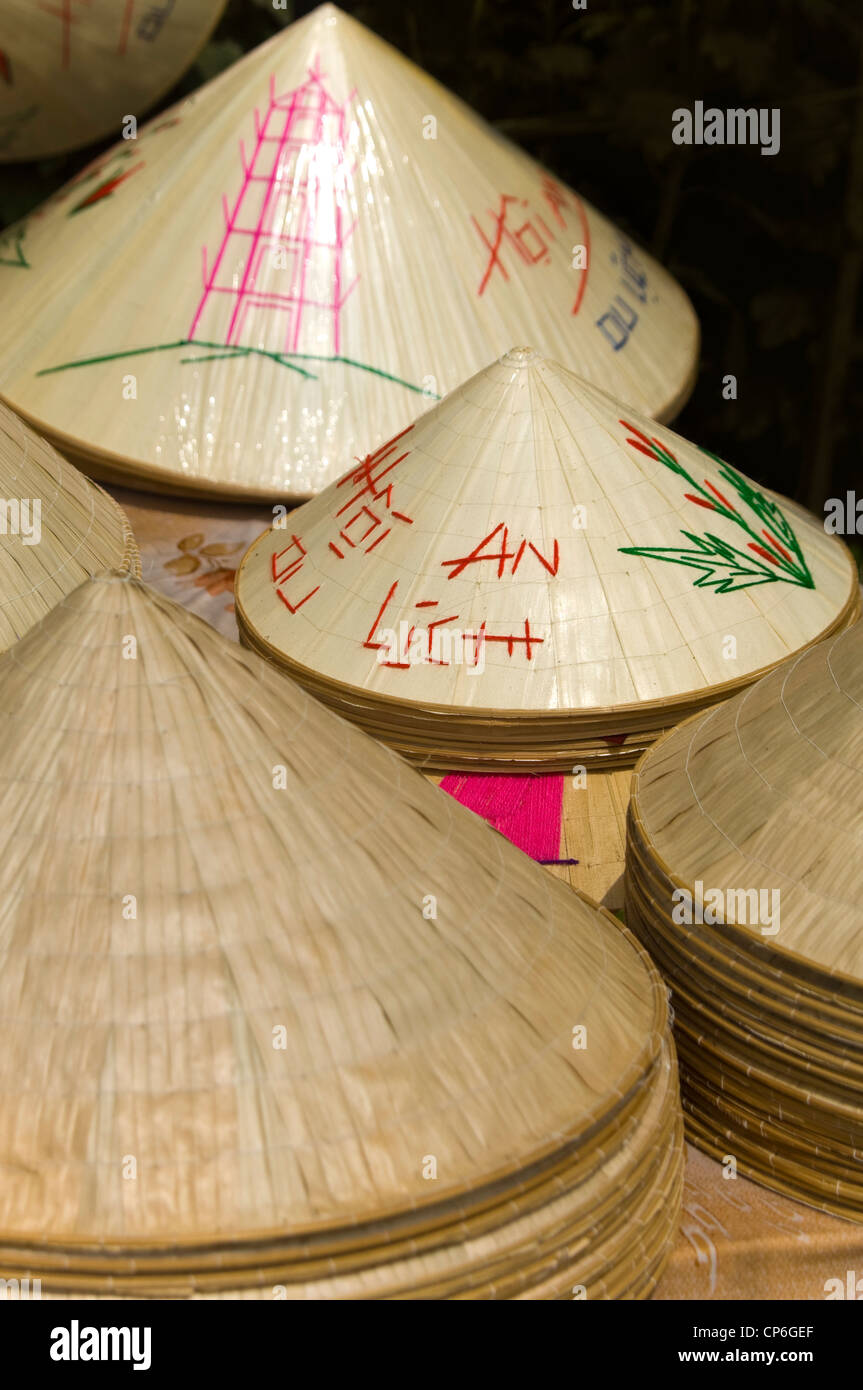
(533, 1255)
(291, 270)
(276, 974)
(70, 72)
(744, 879)
(766, 792)
(615, 1236)
(56, 529)
(569, 572)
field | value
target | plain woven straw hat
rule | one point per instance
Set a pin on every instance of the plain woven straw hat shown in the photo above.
(71, 73)
(279, 1012)
(56, 529)
(289, 267)
(744, 877)
(533, 574)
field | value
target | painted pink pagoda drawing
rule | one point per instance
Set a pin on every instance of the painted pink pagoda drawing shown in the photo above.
(281, 276)
(278, 280)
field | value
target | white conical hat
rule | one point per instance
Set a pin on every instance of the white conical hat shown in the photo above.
(56, 529)
(71, 71)
(289, 271)
(272, 971)
(566, 565)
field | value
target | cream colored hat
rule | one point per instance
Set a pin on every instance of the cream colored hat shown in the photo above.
(72, 72)
(744, 877)
(288, 267)
(278, 1012)
(535, 573)
(56, 529)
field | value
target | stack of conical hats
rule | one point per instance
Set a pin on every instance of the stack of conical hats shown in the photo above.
(745, 880)
(70, 73)
(290, 265)
(56, 529)
(532, 575)
(305, 1022)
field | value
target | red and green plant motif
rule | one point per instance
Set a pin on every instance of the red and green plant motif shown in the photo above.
(772, 554)
(105, 188)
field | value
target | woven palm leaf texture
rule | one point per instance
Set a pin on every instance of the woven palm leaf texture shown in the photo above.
(56, 529)
(278, 1013)
(744, 879)
(72, 72)
(292, 263)
(535, 576)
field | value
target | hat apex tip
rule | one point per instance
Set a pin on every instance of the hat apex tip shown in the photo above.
(522, 357)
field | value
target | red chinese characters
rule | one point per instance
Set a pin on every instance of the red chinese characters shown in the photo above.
(432, 643)
(367, 513)
(287, 575)
(501, 556)
(362, 522)
(435, 642)
(518, 230)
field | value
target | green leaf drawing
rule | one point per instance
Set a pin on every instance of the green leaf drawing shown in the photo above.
(722, 567)
(773, 552)
(291, 360)
(768, 511)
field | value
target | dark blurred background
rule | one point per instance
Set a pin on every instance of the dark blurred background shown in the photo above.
(770, 249)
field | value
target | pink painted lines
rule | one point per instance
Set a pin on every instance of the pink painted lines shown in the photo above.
(277, 281)
(527, 810)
